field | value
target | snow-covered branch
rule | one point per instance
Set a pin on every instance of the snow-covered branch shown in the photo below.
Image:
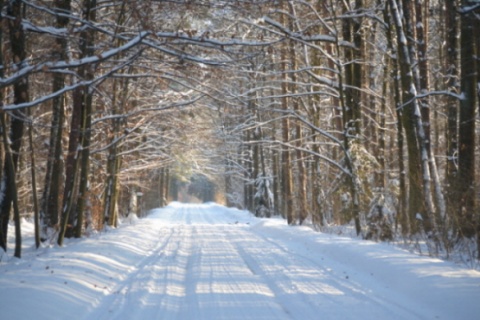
(61, 65)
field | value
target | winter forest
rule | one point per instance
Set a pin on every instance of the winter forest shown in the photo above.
(359, 112)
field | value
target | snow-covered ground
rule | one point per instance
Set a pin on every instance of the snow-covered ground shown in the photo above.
(206, 261)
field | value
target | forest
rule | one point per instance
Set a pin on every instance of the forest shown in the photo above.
(358, 112)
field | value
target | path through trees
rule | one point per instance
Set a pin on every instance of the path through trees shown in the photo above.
(362, 112)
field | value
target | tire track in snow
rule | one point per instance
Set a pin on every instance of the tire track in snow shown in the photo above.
(210, 267)
(338, 277)
(130, 288)
(219, 284)
(257, 258)
(190, 302)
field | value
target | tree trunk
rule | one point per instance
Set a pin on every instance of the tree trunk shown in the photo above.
(466, 141)
(110, 200)
(84, 167)
(36, 214)
(401, 216)
(451, 70)
(287, 187)
(249, 183)
(167, 184)
(71, 167)
(113, 214)
(277, 203)
(422, 30)
(277, 206)
(161, 187)
(110, 209)
(10, 184)
(349, 86)
(420, 210)
(266, 190)
(86, 131)
(301, 181)
(3, 218)
(79, 142)
(51, 198)
(20, 95)
(119, 101)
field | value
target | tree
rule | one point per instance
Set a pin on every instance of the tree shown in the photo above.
(467, 220)
(451, 83)
(419, 206)
(293, 107)
(287, 183)
(21, 95)
(51, 197)
(77, 164)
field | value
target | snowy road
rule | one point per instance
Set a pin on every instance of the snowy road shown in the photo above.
(210, 262)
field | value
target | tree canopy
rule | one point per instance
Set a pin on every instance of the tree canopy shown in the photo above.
(331, 112)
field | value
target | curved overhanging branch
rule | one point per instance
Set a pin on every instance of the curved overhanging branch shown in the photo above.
(70, 88)
(62, 65)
